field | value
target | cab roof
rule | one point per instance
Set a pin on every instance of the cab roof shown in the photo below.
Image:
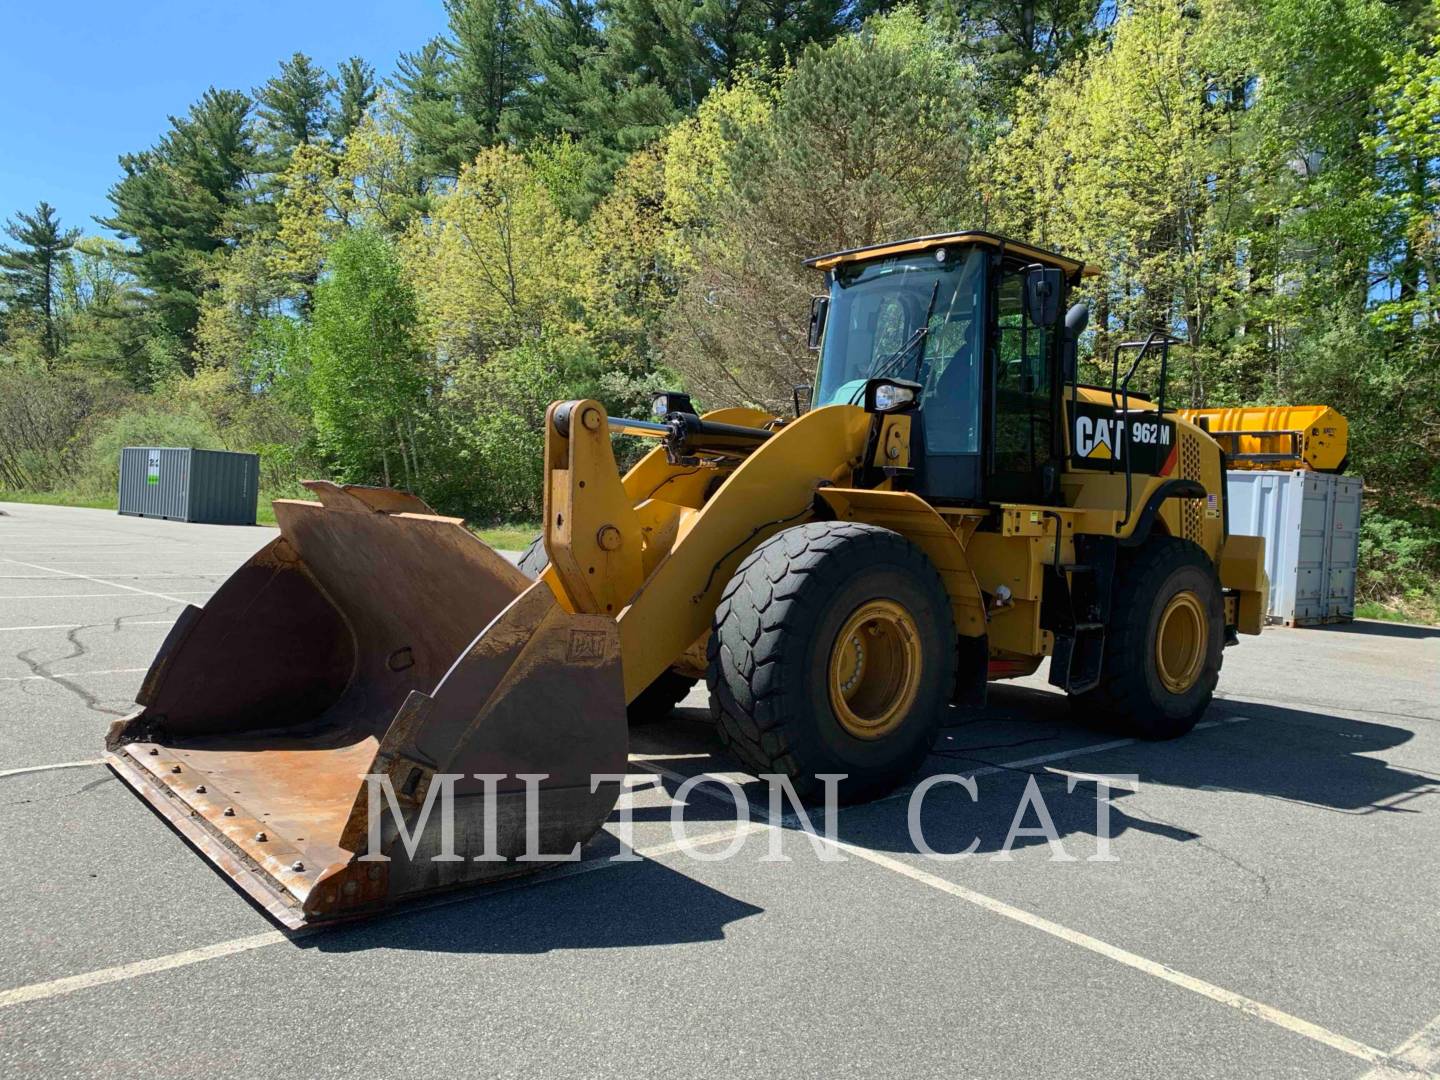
(926, 243)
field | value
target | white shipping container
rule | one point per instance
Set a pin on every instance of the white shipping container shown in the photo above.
(1311, 525)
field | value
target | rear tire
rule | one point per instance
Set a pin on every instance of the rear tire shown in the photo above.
(658, 700)
(1164, 643)
(833, 651)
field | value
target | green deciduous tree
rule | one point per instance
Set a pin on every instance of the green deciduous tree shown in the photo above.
(495, 262)
(367, 379)
(870, 139)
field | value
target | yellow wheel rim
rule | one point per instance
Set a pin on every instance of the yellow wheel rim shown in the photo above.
(1181, 642)
(874, 671)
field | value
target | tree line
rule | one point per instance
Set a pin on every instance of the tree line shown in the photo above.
(386, 279)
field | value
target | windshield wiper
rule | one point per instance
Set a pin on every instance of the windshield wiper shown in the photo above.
(893, 360)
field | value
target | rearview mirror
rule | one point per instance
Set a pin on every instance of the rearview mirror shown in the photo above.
(1043, 288)
(1076, 320)
(819, 311)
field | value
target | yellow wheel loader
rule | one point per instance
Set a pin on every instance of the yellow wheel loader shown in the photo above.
(953, 507)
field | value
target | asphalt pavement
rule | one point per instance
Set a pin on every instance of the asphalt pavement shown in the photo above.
(1256, 899)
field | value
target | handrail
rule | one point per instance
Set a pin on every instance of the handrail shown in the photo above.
(1122, 387)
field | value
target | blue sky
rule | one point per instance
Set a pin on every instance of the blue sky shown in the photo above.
(84, 81)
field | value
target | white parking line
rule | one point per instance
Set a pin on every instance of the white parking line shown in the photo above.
(1241, 1003)
(81, 626)
(96, 595)
(49, 768)
(71, 675)
(1420, 1052)
(172, 575)
(1164, 972)
(56, 987)
(40, 991)
(97, 581)
(1040, 759)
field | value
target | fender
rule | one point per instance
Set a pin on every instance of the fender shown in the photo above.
(916, 520)
(1171, 489)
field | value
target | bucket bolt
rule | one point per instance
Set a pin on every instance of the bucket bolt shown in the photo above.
(297, 866)
(260, 838)
(229, 811)
(174, 768)
(200, 789)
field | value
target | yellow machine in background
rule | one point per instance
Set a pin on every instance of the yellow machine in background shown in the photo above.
(1311, 437)
(953, 508)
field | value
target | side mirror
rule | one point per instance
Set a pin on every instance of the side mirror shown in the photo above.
(1044, 286)
(819, 312)
(802, 395)
(1076, 319)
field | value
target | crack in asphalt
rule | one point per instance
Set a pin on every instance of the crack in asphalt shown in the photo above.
(1130, 809)
(83, 789)
(39, 668)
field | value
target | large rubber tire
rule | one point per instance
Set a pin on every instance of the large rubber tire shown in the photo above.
(1131, 695)
(769, 655)
(658, 700)
(534, 559)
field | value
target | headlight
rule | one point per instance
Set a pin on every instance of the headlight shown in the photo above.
(891, 395)
(671, 401)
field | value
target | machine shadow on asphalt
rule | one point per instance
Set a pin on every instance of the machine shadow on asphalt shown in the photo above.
(1381, 629)
(1298, 756)
(557, 915)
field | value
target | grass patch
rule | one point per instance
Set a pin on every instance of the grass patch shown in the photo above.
(510, 536)
(264, 515)
(1424, 610)
(60, 498)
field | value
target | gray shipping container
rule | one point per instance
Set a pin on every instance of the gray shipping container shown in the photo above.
(215, 487)
(1311, 525)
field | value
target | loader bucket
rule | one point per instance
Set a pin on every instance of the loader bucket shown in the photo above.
(374, 637)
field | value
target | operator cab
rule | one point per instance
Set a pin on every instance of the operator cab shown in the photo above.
(972, 320)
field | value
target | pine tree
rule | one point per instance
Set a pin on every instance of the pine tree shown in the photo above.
(293, 107)
(426, 108)
(564, 43)
(355, 91)
(489, 66)
(581, 92)
(185, 199)
(31, 270)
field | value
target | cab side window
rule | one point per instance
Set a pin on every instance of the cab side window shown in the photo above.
(1023, 361)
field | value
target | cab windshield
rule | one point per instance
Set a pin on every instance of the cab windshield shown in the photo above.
(876, 309)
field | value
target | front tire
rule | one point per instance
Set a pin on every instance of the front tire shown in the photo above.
(1164, 643)
(833, 651)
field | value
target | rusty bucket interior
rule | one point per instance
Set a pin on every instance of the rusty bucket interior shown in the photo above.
(374, 637)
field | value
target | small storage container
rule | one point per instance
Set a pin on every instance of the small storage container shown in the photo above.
(1311, 525)
(215, 487)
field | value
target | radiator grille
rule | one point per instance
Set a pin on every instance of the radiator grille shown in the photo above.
(1192, 513)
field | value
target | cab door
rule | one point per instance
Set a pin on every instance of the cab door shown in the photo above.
(1024, 396)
